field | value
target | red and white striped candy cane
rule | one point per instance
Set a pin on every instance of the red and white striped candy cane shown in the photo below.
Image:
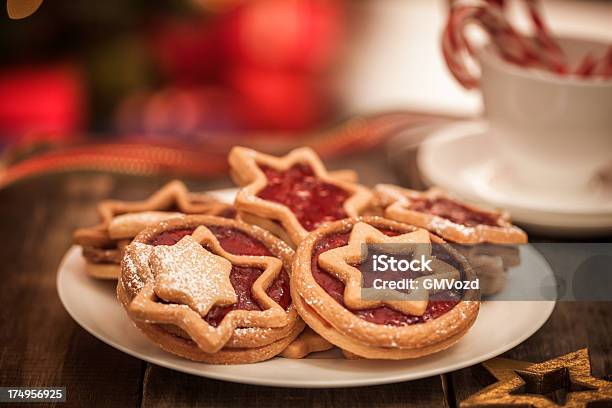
(539, 50)
(457, 49)
(550, 51)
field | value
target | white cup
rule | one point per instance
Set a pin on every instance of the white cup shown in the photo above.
(552, 130)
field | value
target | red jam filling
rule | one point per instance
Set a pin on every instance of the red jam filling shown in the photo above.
(242, 279)
(238, 243)
(379, 315)
(454, 211)
(170, 237)
(311, 200)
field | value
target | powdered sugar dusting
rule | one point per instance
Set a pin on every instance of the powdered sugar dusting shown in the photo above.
(439, 225)
(186, 273)
(136, 269)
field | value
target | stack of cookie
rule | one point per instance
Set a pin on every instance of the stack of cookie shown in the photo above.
(211, 289)
(485, 237)
(228, 291)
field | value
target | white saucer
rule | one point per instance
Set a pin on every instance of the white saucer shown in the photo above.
(462, 159)
(500, 326)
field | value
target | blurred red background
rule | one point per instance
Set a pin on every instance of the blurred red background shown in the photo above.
(168, 70)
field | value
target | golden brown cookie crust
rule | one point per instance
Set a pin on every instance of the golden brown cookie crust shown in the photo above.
(350, 346)
(343, 328)
(250, 353)
(173, 195)
(108, 235)
(133, 281)
(246, 173)
(267, 224)
(306, 343)
(396, 201)
(109, 271)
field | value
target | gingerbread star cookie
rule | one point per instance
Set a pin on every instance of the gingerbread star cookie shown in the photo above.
(210, 289)
(121, 221)
(562, 381)
(327, 293)
(293, 194)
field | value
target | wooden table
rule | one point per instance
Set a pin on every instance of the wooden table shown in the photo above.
(40, 345)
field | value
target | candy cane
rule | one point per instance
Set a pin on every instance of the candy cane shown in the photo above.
(540, 51)
(508, 42)
(551, 51)
(544, 50)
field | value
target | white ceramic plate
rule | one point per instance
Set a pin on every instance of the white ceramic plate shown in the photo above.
(500, 326)
(461, 158)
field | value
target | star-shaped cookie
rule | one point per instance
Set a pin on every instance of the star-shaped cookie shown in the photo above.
(188, 274)
(339, 262)
(563, 381)
(172, 199)
(128, 225)
(246, 169)
(174, 195)
(447, 216)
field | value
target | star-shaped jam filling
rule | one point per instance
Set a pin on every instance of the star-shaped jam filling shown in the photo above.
(311, 200)
(435, 202)
(192, 284)
(295, 190)
(340, 262)
(447, 216)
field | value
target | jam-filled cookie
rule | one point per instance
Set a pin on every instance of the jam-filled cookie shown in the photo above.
(448, 217)
(210, 289)
(121, 221)
(293, 194)
(486, 237)
(326, 289)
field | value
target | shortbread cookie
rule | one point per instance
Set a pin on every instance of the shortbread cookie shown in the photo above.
(120, 221)
(326, 287)
(308, 342)
(210, 289)
(293, 194)
(486, 237)
(448, 217)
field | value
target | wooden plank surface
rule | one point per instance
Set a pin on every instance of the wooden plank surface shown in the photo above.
(41, 345)
(166, 388)
(572, 326)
